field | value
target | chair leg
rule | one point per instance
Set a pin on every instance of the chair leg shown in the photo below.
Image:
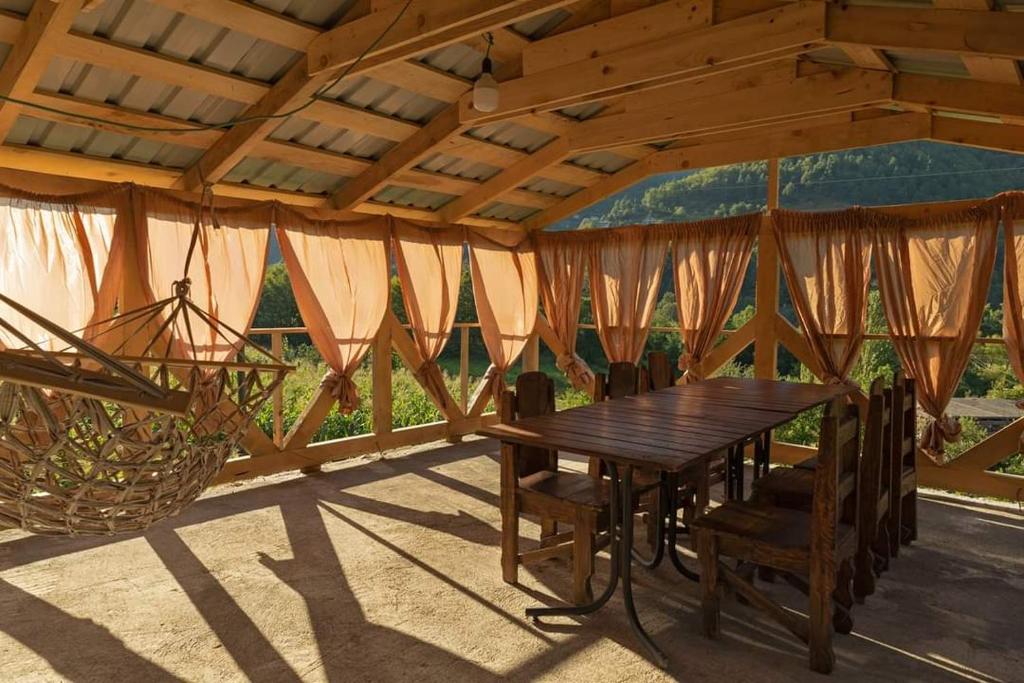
(707, 555)
(822, 586)
(509, 516)
(842, 618)
(864, 570)
(582, 559)
(881, 546)
(895, 522)
(548, 528)
(909, 518)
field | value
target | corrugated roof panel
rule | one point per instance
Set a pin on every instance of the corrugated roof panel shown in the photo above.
(551, 187)
(153, 27)
(542, 24)
(512, 134)
(313, 134)
(89, 141)
(369, 93)
(930, 63)
(609, 162)
(322, 13)
(582, 112)
(506, 212)
(443, 163)
(407, 196)
(458, 59)
(267, 173)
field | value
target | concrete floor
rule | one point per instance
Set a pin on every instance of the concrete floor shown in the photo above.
(387, 569)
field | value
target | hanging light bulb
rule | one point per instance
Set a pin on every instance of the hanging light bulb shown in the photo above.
(485, 88)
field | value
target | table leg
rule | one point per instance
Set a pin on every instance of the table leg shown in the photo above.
(762, 454)
(673, 530)
(664, 493)
(627, 566)
(615, 544)
(620, 523)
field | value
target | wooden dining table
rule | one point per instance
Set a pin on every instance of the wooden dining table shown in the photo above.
(669, 431)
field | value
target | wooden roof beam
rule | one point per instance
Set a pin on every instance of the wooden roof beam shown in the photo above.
(744, 147)
(984, 68)
(802, 97)
(765, 36)
(961, 32)
(933, 93)
(423, 26)
(42, 32)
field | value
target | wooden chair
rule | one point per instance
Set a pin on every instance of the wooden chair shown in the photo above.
(622, 379)
(539, 488)
(814, 547)
(793, 487)
(903, 506)
(660, 372)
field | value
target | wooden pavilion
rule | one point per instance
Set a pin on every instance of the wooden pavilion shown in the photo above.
(245, 98)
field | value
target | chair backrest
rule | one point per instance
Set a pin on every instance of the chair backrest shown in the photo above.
(534, 395)
(622, 379)
(660, 371)
(904, 418)
(836, 483)
(876, 461)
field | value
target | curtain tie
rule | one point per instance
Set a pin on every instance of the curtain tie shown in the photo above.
(343, 389)
(835, 380)
(429, 375)
(690, 367)
(937, 433)
(576, 369)
(496, 377)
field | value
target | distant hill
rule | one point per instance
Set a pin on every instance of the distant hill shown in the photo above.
(888, 174)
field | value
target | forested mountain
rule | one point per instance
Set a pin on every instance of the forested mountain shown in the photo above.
(888, 174)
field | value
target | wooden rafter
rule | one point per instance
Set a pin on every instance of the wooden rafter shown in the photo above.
(31, 52)
(985, 68)
(380, 38)
(758, 38)
(752, 146)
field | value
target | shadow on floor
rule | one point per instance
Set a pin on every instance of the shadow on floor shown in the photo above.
(398, 578)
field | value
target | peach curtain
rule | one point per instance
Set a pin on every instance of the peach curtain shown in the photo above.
(225, 273)
(1013, 274)
(339, 273)
(562, 263)
(504, 271)
(826, 260)
(60, 256)
(933, 274)
(429, 264)
(625, 273)
(710, 260)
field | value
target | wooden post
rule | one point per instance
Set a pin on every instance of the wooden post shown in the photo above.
(382, 407)
(277, 348)
(464, 368)
(131, 296)
(766, 306)
(531, 354)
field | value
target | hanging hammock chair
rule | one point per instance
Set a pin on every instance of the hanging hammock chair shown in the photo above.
(112, 435)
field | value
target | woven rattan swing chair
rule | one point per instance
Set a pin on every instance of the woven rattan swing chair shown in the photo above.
(102, 442)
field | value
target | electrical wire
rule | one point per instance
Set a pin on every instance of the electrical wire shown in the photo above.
(191, 128)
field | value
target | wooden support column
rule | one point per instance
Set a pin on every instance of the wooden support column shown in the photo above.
(277, 348)
(382, 406)
(464, 368)
(766, 306)
(531, 354)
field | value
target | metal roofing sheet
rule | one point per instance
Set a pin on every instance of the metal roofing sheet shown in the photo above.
(98, 143)
(609, 162)
(407, 196)
(444, 163)
(506, 212)
(283, 176)
(512, 134)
